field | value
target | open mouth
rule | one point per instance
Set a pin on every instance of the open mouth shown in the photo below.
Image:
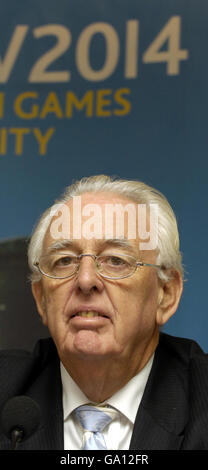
(89, 314)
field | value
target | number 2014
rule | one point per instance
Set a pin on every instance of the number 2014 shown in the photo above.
(39, 73)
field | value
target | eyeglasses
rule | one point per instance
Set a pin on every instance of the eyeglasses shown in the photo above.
(110, 266)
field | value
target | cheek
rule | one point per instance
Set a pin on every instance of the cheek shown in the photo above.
(135, 304)
(57, 293)
(55, 299)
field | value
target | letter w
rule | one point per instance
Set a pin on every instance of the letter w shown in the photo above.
(8, 62)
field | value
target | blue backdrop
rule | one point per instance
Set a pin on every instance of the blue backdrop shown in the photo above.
(111, 87)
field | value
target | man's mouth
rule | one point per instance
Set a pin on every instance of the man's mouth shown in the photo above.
(89, 314)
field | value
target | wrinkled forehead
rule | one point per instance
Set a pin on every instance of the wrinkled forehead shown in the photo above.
(100, 218)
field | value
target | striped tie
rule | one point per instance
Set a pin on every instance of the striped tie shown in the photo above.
(93, 420)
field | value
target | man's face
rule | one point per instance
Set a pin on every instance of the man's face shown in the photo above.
(127, 308)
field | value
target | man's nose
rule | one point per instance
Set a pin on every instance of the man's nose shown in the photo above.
(88, 279)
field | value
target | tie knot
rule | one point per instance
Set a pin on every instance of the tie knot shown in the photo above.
(94, 418)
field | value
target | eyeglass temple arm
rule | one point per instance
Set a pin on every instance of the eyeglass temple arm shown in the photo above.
(140, 263)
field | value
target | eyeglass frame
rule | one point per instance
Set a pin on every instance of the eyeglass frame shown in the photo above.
(95, 257)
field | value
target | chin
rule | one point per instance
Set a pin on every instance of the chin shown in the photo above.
(85, 345)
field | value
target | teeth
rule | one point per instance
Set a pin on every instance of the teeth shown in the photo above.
(88, 314)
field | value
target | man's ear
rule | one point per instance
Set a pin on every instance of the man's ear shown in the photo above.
(38, 294)
(169, 297)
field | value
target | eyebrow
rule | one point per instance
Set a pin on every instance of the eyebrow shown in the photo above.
(117, 242)
(59, 245)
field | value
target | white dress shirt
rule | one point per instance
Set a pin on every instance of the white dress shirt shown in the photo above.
(127, 400)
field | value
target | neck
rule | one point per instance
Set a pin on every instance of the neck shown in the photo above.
(100, 378)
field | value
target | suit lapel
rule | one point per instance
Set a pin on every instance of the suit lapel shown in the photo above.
(163, 411)
(47, 391)
(148, 434)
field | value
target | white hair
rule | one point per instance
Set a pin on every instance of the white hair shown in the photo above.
(169, 256)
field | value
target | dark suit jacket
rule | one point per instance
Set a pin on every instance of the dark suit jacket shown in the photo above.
(173, 413)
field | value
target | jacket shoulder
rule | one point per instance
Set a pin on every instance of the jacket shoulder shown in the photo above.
(183, 349)
(192, 368)
(18, 367)
(185, 355)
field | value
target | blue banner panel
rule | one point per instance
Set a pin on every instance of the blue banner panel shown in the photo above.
(111, 87)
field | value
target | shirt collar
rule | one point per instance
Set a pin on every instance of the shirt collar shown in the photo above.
(72, 394)
(126, 400)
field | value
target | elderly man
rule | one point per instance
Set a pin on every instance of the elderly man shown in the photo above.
(104, 285)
